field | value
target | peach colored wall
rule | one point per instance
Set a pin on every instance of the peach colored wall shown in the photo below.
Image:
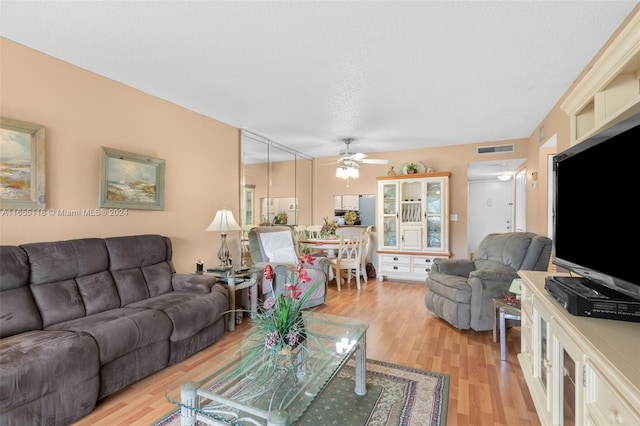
(83, 111)
(450, 158)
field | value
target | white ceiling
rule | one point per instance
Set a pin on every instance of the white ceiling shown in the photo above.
(393, 75)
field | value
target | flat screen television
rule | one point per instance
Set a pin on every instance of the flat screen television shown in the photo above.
(596, 227)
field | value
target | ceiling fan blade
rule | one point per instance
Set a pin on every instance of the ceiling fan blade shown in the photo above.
(358, 156)
(374, 161)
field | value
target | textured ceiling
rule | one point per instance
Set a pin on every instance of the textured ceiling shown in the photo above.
(393, 75)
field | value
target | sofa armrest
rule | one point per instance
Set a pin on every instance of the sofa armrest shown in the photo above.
(321, 262)
(495, 275)
(457, 267)
(193, 283)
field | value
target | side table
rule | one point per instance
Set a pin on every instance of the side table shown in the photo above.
(504, 310)
(240, 281)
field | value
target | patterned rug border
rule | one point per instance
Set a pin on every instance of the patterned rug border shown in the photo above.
(415, 407)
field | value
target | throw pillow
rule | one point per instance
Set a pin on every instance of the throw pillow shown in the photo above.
(278, 247)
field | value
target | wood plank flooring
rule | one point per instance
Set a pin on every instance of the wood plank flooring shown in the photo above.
(483, 389)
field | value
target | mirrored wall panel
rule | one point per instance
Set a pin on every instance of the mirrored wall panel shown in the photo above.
(277, 183)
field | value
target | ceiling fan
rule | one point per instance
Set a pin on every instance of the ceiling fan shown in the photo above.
(352, 159)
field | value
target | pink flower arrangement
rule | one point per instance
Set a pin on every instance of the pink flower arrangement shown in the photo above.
(278, 326)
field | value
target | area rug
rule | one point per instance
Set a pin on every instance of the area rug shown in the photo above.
(396, 395)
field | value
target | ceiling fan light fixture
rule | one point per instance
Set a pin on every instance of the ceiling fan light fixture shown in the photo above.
(344, 172)
(350, 161)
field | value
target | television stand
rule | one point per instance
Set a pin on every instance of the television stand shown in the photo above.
(583, 297)
(579, 370)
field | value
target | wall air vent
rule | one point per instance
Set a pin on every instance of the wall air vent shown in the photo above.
(495, 149)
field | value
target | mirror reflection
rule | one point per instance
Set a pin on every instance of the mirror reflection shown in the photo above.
(276, 183)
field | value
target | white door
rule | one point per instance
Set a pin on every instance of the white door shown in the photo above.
(490, 210)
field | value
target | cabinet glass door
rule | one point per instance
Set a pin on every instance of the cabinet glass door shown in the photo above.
(568, 390)
(434, 215)
(544, 356)
(390, 214)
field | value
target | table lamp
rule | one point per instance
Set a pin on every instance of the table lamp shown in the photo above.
(223, 222)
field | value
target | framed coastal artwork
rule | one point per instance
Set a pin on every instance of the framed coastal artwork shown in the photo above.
(131, 181)
(22, 174)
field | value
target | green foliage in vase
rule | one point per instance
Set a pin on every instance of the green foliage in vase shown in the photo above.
(329, 227)
(278, 326)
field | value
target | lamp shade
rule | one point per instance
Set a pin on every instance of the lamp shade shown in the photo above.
(223, 222)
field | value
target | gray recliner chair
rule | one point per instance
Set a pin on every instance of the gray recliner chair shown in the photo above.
(278, 246)
(460, 291)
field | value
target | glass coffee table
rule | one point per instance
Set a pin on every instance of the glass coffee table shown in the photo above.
(238, 393)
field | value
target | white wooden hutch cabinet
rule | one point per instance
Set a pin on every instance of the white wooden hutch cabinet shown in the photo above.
(412, 224)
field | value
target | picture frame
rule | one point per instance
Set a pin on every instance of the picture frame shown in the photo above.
(22, 165)
(130, 181)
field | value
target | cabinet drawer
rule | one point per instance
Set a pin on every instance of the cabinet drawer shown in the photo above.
(604, 403)
(395, 259)
(391, 268)
(422, 264)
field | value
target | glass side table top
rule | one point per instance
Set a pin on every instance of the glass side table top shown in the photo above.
(228, 391)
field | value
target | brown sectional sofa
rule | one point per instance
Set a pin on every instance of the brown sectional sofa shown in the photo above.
(82, 319)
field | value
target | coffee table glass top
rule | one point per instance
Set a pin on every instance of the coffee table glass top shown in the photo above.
(232, 392)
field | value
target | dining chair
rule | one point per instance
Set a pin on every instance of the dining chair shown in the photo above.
(313, 231)
(349, 257)
(300, 233)
(365, 234)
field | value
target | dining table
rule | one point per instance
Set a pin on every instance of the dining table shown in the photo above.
(328, 246)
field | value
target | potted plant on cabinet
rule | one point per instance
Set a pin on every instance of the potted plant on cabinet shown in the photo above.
(412, 168)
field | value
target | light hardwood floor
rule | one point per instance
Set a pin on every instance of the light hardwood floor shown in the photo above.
(483, 389)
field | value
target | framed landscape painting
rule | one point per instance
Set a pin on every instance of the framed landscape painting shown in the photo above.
(131, 181)
(22, 177)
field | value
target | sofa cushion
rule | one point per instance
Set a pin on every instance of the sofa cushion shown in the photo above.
(120, 331)
(451, 287)
(158, 278)
(63, 260)
(140, 265)
(38, 363)
(136, 251)
(14, 267)
(131, 285)
(189, 312)
(507, 249)
(58, 301)
(18, 312)
(98, 292)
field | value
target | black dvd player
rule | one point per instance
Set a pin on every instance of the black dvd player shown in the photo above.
(586, 298)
